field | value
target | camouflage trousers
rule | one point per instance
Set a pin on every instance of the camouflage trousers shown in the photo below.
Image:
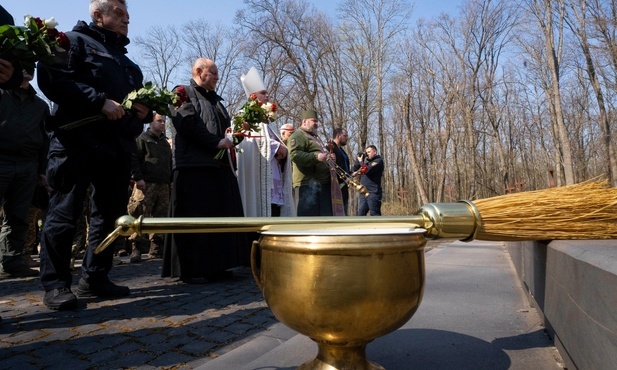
(154, 202)
(36, 217)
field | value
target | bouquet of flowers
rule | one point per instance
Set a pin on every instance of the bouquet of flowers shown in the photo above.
(37, 40)
(157, 99)
(247, 120)
(150, 95)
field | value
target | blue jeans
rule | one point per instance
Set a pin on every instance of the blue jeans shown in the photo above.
(70, 178)
(17, 183)
(371, 204)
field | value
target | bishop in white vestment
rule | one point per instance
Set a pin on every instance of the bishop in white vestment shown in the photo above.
(264, 167)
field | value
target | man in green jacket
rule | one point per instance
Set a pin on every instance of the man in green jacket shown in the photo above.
(311, 173)
(151, 171)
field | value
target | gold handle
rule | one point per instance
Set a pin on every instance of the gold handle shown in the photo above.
(125, 226)
(459, 220)
(108, 240)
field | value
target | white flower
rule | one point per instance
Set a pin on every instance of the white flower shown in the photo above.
(270, 111)
(51, 23)
(27, 18)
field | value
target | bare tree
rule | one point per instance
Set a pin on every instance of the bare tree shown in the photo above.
(295, 30)
(370, 29)
(600, 24)
(162, 54)
(428, 103)
(550, 17)
(491, 25)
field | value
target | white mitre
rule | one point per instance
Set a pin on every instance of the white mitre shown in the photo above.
(252, 82)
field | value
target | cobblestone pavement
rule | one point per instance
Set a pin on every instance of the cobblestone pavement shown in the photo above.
(163, 323)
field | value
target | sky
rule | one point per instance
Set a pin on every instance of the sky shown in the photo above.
(148, 13)
(145, 14)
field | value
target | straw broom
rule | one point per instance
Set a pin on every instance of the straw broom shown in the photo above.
(582, 211)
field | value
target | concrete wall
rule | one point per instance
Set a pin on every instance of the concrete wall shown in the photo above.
(574, 285)
(529, 260)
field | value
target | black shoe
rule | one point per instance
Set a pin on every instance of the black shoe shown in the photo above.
(60, 299)
(20, 273)
(105, 289)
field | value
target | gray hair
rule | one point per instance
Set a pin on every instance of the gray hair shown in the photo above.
(104, 6)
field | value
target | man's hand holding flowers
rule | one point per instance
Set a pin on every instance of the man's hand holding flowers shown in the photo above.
(140, 101)
(113, 110)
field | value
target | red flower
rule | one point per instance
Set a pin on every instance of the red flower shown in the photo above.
(63, 40)
(39, 22)
(181, 96)
(253, 96)
(52, 32)
(363, 169)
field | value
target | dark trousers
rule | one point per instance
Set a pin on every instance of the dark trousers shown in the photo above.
(345, 194)
(110, 180)
(371, 204)
(17, 183)
(314, 199)
(275, 210)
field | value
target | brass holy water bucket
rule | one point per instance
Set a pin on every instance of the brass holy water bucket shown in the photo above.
(342, 281)
(342, 288)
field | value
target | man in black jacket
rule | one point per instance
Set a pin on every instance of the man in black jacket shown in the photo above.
(93, 79)
(203, 186)
(342, 161)
(370, 168)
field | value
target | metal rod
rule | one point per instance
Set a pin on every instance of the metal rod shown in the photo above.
(441, 220)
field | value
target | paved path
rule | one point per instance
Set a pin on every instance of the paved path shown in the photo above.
(162, 324)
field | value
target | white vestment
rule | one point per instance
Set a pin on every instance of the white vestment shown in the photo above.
(259, 171)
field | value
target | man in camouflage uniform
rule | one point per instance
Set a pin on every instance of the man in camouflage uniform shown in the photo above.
(151, 168)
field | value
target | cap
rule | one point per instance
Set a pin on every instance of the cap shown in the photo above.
(306, 114)
(288, 127)
(252, 82)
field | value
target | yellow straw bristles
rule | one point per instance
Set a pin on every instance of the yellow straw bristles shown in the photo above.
(583, 211)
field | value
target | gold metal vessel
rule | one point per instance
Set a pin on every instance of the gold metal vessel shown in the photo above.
(341, 288)
(342, 281)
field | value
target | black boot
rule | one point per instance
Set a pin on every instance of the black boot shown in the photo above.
(135, 253)
(103, 289)
(60, 299)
